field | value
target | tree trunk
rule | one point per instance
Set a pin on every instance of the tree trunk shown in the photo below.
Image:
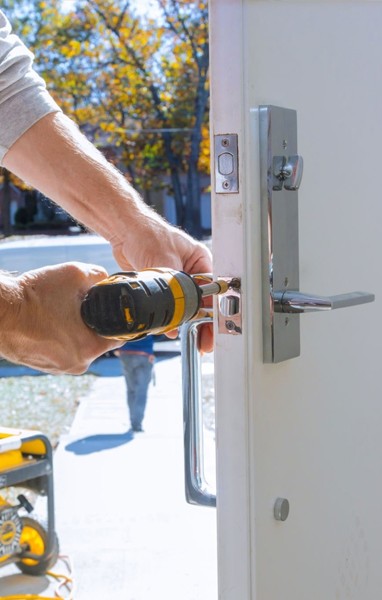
(178, 197)
(192, 222)
(175, 178)
(193, 205)
(6, 207)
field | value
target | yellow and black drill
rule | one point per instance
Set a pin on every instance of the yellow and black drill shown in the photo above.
(130, 305)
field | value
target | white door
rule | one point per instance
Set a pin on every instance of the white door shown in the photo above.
(307, 431)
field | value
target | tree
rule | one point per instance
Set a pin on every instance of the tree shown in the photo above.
(192, 29)
(136, 84)
(6, 205)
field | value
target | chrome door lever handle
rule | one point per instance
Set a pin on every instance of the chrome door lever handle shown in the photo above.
(298, 302)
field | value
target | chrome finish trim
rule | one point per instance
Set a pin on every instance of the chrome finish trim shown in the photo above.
(196, 487)
(280, 177)
(279, 230)
(288, 172)
(229, 306)
(297, 302)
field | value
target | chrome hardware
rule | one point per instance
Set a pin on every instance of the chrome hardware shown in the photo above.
(226, 163)
(281, 172)
(281, 509)
(197, 491)
(288, 172)
(229, 307)
(297, 302)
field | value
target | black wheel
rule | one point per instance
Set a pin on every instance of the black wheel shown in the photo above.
(35, 537)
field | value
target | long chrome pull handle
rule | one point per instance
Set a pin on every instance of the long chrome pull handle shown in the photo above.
(197, 491)
(298, 302)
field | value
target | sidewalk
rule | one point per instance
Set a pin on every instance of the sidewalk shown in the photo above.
(121, 515)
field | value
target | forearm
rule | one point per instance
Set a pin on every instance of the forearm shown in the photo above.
(57, 159)
(43, 327)
(54, 157)
(10, 298)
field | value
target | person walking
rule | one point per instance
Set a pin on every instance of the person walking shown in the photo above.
(137, 359)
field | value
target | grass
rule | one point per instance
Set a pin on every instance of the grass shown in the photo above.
(47, 403)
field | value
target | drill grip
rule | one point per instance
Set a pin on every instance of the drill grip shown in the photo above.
(133, 304)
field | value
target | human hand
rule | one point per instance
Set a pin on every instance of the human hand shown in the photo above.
(41, 320)
(168, 247)
(55, 158)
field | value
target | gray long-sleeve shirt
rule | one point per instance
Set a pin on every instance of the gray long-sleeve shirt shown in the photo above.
(24, 99)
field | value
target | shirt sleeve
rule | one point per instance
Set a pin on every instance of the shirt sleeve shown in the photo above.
(24, 99)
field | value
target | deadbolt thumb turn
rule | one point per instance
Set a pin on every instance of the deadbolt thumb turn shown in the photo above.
(281, 173)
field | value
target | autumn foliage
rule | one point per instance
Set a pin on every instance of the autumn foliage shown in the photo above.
(136, 82)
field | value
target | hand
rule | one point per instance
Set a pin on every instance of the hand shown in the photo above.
(152, 242)
(42, 325)
(169, 247)
(55, 158)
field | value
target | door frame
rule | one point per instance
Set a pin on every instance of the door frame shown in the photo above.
(234, 511)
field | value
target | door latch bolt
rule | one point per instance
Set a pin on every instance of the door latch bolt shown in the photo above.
(230, 307)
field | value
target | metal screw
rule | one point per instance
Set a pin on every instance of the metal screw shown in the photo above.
(225, 142)
(230, 325)
(235, 283)
(226, 184)
(281, 509)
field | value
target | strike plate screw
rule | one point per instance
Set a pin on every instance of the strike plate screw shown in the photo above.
(281, 509)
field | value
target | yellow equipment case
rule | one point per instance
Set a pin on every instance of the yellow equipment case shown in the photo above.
(26, 463)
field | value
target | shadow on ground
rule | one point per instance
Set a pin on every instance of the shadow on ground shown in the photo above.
(23, 584)
(99, 442)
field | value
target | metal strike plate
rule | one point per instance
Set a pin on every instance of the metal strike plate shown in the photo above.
(230, 307)
(226, 163)
(279, 165)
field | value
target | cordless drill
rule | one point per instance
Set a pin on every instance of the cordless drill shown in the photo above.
(131, 305)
